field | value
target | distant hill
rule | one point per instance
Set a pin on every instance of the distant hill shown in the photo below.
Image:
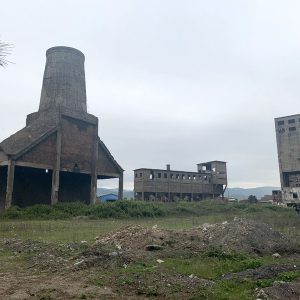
(239, 193)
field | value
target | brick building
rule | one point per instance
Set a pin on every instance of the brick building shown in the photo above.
(58, 156)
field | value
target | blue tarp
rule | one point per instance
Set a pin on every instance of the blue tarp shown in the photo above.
(108, 197)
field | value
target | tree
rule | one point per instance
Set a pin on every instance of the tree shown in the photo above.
(252, 199)
(4, 51)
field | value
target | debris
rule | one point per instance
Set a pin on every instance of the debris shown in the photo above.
(154, 247)
(242, 235)
(78, 263)
(276, 255)
(160, 261)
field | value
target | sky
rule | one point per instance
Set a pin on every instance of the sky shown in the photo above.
(178, 82)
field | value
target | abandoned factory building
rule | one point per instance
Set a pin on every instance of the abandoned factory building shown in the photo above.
(210, 181)
(288, 147)
(58, 156)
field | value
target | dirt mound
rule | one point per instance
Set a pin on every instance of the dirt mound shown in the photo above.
(281, 290)
(249, 236)
(239, 235)
(43, 255)
(263, 272)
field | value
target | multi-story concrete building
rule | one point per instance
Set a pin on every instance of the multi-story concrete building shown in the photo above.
(288, 146)
(209, 181)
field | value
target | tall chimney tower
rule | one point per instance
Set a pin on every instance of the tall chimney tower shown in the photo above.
(64, 80)
(58, 156)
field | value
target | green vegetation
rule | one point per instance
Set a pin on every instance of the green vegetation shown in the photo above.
(66, 223)
(76, 221)
(133, 209)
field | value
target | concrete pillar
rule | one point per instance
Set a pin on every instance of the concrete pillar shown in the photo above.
(10, 183)
(93, 195)
(120, 195)
(56, 170)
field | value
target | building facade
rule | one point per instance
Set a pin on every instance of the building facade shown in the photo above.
(208, 182)
(288, 147)
(58, 156)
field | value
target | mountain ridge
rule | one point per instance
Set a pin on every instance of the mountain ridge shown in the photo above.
(237, 192)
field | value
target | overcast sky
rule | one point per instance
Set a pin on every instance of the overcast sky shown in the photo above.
(171, 81)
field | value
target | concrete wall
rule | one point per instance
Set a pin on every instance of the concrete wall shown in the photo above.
(43, 153)
(105, 164)
(78, 139)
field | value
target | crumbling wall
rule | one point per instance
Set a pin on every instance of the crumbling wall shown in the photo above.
(78, 140)
(105, 164)
(44, 153)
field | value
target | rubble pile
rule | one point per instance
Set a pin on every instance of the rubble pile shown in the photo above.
(240, 235)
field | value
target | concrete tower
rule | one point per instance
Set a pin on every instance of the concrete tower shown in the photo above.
(64, 80)
(58, 156)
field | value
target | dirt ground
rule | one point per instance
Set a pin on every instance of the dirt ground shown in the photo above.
(128, 264)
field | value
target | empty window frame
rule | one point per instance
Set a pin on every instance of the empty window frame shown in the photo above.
(141, 174)
(292, 129)
(171, 175)
(279, 123)
(183, 176)
(151, 176)
(177, 176)
(291, 121)
(194, 177)
(281, 130)
(158, 175)
(136, 175)
(165, 175)
(189, 177)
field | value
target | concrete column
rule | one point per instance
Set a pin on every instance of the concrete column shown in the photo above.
(10, 183)
(120, 195)
(56, 170)
(93, 194)
(143, 192)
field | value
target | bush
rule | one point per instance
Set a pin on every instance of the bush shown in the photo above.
(133, 209)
